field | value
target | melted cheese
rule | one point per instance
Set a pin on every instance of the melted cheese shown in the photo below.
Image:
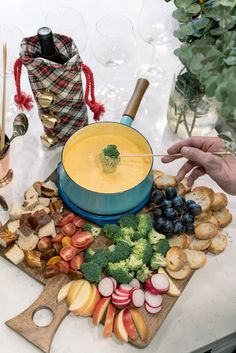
(82, 163)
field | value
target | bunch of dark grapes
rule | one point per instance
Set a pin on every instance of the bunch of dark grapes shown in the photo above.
(172, 214)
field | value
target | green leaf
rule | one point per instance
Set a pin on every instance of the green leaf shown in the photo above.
(180, 15)
(200, 23)
(187, 29)
(184, 4)
(193, 9)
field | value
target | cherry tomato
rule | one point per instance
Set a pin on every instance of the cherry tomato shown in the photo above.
(66, 241)
(53, 260)
(58, 238)
(68, 252)
(82, 240)
(64, 266)
(66, 219)
(76, 262)
(79, 221)
(69, 229)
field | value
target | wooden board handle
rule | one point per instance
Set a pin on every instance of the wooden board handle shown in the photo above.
(24, 324)
(134, 102)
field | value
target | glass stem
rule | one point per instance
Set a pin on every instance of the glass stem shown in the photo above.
(153, 57)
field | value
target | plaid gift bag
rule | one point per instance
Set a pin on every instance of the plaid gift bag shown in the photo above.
(61, 83)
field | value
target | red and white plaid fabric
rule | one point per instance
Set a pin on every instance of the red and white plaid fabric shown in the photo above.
(64, 81)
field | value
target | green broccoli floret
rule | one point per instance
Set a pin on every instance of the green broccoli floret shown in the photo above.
(100, 257)
(112, 231)
(127, 232)
(110, 157)
(118, 252)
(142, 250)
(119, 271)
(145, 224)
(88, 255)
(92, 271)
(157, 260)
(154, 236)
(137, 235)
(162, 246)
(129, 220)
(143, 273)
(133, 263)
(95, 231)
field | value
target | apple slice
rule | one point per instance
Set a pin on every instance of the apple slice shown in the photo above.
(173, 290)
(108, 326)
(82, 298)
(129, 325)
(100, 309)
(139, 323)
(62, 294)
(119, 328)
(74, 290)
(89, 306)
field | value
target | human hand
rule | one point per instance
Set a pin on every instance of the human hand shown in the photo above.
(201, 161)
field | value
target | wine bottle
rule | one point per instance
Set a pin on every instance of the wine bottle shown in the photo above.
(48, 49)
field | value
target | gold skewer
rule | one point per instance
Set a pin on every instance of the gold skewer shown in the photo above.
(218, 153)
(2, 143)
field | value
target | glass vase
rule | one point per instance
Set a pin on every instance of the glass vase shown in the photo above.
(190, 112)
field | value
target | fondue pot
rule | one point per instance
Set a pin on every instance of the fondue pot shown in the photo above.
(108, 206)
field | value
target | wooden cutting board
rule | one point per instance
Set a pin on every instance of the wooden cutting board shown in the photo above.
(42, 336)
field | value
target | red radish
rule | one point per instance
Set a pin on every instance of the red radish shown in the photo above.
(135, 283)
(106, 287)
(121, 294)
(125, 288)
(160, 282)
(153, 300)
(138, 297)
(114, 282)
(121, 304)
(149, 287)
(120, 298)
(152, 310)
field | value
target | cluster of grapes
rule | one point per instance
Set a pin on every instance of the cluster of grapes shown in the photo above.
(172, 214)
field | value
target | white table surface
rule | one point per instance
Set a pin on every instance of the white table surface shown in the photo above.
(206, 310)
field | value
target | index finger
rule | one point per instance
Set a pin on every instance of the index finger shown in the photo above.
(195, 141)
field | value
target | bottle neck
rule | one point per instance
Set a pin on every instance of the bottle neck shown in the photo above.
(46, 42)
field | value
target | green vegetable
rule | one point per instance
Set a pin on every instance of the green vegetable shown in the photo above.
(142, 250)
(110, 157)
(154, 236)
(112, 231)
(118, 252)
(133, 263)
(145, 224)
(157, 260)
(137, 235)
(92, 271)
(162, 246)
(100, 257)
(129, 220)
(119, 271)
(143, 273)
(95, 231)
(88, 255)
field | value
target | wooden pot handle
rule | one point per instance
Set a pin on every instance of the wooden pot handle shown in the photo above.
(24, 324)
(134, 102)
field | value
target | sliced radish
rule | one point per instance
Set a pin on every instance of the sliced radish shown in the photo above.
(138, 297)
(114, 282)
(160, 282)
(120, 298)
(125, 288)
(106, 287)
(153, 300)
(121, 294)
(135, 283)
(149, 287)
(152, 310)
(121, 305)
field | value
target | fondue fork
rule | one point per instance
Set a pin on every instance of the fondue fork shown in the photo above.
(217, 153)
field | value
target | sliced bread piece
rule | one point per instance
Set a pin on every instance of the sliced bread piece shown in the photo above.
(204, 216)
(163, 181)
(15, 254)
(173, 289)
(175, 258)
(28, 243)
(182, 273)
(218, 243)
(184, 182)
(201, 199)
(179, 240)
(199, 244)
(223, 216)
(205, 191)
(219, 201)
(206, 230)
(196, 258)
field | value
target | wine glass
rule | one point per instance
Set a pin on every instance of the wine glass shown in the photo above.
(155, 27)
(113, 45)
(12, 35)
(70, 22)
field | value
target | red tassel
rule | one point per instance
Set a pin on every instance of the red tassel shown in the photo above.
(22, 99)
(97, 108)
